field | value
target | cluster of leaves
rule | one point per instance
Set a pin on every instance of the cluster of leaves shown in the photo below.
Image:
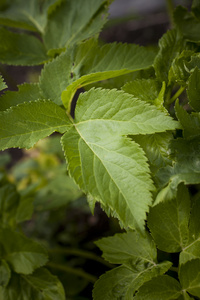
(128, 148)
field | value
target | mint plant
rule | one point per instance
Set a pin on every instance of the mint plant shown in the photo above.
(133, 146)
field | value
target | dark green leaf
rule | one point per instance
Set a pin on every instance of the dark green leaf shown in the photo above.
(24, 255)
(194, 90)
(189, 275)
(23, 125)
(5, 273)
(21, 49)
(168, 222)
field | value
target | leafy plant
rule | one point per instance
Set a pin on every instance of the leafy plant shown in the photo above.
(132, 147)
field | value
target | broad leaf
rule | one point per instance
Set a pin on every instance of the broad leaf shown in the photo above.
(129, 248)
(121, 283)
(170, 46)
(40, 285)
(187, 24)
(189, 275)
(194, 89)
(100, 157)
(163, 287)
(23, 254)
(26, 93)
(68, 24)
(196, 8)
(168, 222)
(92, 63)
(21, 49)
(23, 125)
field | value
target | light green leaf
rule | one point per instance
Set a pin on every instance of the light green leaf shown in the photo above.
(94, 63)
(187, 24)
(169, 48)
(163, 287)
(24, 255)
(30, 15)
(192, 249)
(2, 84)
(190, 122)
(21, 49)
(156, 148)
(55, 77)
(121, 283)
(5, 273)
(26, 93)
(23, 125)
(131, 248)
(168, 222)
(100, 157)
(194, 89)
(189, 275)
(74, 21)
(41, 285)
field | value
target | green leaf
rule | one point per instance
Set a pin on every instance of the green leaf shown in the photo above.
(170, 46)
(5, 273)
(55, 77)
(94, 63)
(192, 249)
(24, 210)
(189, 275)
(121, 283)
(40, 285)
(30, 15)
(2, 84)
(100, 157)
(187, 24)
(190, 122)
(193, 91)
(130, 247)
(21, 49)
(196, 8)
(185, 169)
(163, 287)
(26, 93)
(68, 24)
(23, 254)
(168, 222)
(23, 125)
(156, 148)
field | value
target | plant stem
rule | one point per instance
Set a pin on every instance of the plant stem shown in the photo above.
(174, 269)
(170, 9)
(81, 253)
(176, 95)
(78, 272)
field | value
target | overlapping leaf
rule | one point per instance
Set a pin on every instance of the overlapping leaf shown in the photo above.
(23, 125)
(194, 89)
(189, 275)
(2, 84)
(138, 255)
(40, 285)
(107, 165)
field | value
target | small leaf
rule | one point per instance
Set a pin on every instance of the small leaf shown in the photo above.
(168, 222)
(23, 125)
(189, 275)
(162, 287)
(23, 254)
(194, 89)
(24, 210)
(2, 84)
(26, 93)
(21, 49)
(40, 285)
(5, 273)
(121, 283)
(100, 157)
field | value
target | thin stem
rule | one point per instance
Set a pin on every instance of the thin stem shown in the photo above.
(81, 253)
(174, 269)
(176, 95)
(74, 271)
(170, 9)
